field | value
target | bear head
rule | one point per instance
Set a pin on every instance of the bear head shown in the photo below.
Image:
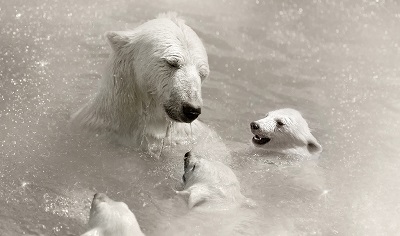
(111, 218)
(164, 62)
(209, 183)
(284, 130)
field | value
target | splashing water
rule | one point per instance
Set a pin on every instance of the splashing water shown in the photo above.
(146, 120)
(167, 134)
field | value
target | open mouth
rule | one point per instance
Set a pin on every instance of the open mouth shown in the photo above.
(260, 140)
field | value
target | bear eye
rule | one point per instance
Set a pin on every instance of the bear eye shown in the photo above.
(280, 123)
(194, 166)
(173, 62)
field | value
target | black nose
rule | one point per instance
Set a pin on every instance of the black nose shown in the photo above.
(254, 126)
(100, 196)
(188, 154)
(190, 112)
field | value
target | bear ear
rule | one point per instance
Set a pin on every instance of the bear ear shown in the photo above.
(313, 146)
(117, 39)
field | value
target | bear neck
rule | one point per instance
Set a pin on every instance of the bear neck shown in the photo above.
(128, 111)
(292, 148)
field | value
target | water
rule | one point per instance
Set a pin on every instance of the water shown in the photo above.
(336, 61)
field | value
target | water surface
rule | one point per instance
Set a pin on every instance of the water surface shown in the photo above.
(335, 61)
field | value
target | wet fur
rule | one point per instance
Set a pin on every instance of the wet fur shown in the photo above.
(210, 184)
(111, 218)
(141, 94)
(293, 137)
(216, 204)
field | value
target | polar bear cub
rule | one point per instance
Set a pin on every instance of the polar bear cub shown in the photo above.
(284, 131)
(210, 184)
(111, 218)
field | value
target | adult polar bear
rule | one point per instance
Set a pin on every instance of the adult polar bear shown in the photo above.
(152, 86)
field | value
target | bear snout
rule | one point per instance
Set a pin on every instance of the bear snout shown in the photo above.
(254, 126)
(187, 155)
(190, 112)
(100, 197)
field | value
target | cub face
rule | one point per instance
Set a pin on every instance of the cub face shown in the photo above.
(284, 130)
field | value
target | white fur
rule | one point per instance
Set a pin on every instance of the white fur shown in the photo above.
(293, 137)
(210, 184)
(110, 218)
(152, 71)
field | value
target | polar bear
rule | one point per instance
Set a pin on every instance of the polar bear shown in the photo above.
(110, 218)
(152, 85)
(210, 184)
(215, 203)
(284, 131)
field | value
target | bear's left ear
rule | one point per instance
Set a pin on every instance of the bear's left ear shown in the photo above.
(117, 39)
(313, 146)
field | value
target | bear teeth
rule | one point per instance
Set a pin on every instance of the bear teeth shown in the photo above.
(260, 140)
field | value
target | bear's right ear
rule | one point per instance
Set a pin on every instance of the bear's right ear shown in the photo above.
(117, 39)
